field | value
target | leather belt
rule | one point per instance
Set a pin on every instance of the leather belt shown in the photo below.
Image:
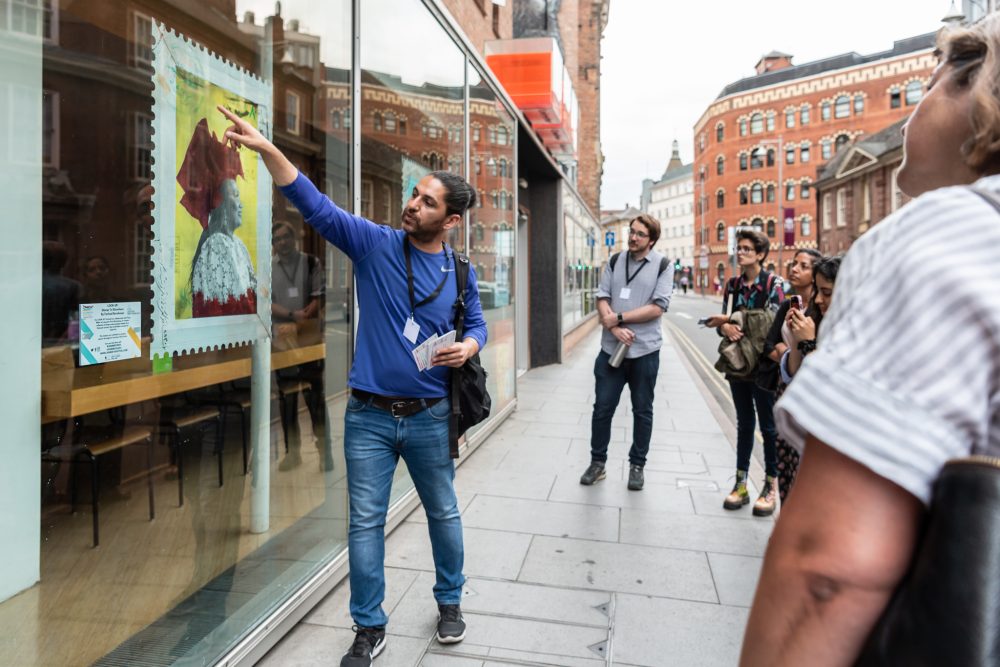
(396, 406)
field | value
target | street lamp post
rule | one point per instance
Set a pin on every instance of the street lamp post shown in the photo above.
(780, 222)
(702, 277)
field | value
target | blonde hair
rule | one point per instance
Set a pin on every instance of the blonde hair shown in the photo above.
(973, 53)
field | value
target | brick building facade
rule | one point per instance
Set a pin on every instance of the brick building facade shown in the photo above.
(857, 189)
(758, 145)
(483, 20)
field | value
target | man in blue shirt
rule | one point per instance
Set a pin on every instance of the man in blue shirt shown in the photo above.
(406, 289)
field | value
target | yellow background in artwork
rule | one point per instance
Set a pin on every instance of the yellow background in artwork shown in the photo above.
(197, 99)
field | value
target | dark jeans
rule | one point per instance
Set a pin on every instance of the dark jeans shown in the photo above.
(746, 394)
(640, 375)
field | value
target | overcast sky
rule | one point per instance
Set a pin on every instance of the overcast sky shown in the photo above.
(664, 61)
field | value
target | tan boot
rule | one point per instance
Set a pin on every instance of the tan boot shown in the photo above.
(768, 498)
(739, 496)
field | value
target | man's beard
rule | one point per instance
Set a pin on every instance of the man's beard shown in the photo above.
(423, 233)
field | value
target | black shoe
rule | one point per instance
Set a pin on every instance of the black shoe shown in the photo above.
(368, 643)
(451, 625)
(635, 478)
(594, 473)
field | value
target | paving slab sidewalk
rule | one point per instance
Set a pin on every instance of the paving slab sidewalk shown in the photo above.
(563, 574)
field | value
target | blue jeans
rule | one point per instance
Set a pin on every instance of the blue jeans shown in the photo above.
(373, 442)
(640, 375)
(746, 394)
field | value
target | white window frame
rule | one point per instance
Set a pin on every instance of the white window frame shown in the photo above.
(141, 144)
(42, 7)
(293, 117)
(142, 270)
(827, 210)
(842, 207)
(137, 58)
(51, 160)
(367, 196)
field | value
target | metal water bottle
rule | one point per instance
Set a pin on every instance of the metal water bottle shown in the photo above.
(616, 359)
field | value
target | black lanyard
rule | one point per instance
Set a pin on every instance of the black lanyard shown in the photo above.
(409, 277)
(295, 274)
(628, 278)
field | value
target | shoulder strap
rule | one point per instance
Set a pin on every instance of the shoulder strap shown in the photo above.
(664, 263)
(461, 281)
(613, 260)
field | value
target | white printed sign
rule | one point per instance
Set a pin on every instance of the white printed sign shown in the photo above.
(110, 332)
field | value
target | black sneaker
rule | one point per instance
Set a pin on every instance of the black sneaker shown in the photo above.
(368, 643)
(451, 625)
(594, 473)
(635, 478)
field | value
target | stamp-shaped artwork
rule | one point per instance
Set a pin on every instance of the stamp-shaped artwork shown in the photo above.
(212, 202)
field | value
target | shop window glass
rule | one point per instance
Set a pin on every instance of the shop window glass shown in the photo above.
(583, 260)
(214, 558)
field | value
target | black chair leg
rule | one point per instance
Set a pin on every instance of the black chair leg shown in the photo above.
(95, 480)
(149, 477)
(180, 467)
(219, 444)
(72, 483)
(244, 428)
(283, 411)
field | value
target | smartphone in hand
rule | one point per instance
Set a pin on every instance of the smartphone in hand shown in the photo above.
(796, 303)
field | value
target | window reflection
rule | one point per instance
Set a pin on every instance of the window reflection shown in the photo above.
(582, 269)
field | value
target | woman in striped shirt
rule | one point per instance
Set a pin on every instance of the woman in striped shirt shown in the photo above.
(904, 379)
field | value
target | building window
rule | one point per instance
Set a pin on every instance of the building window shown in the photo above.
(859, 104)
(744, 196)
(492, 164)
(804, 190)
(756, 193)
(757, 158)
(770, 121)
(720, 165)
(895, 100)
(769, 193)
(335, 119)
(896, 194)
(503, 136)
(826, 149)
(377, 121)
(31, 17)
(476, 134)
(790, 192)
(292, 103)
(770, 157)
(756, 123)
(806, 226)
(386, 203)
(743, 161)
(804, 154)
(804, 114)
(389, 122)
(757, 224)
(842, 107)
(720, 133)
(743, 127)
(50, 131)
(770, 229)
(496, 21)
(790, 118)
(914, 91)
(143, 267)
(347, 119)
(790, 155)
(367, 193)
(141, 53)
(720, 199)
(824, 111)
(142, 146)
(720, 232)
(842, 207)
(842, 140)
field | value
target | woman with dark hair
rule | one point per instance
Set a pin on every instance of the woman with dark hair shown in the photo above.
(753, 289)
(898, 387)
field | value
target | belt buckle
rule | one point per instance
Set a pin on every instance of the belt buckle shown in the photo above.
(397, 404)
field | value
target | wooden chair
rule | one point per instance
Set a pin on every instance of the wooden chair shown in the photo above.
(90, 443)
(178, 421)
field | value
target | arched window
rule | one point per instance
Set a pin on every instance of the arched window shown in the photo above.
(720, 199)
(335, 119)
(895, 98)
(720, 271)
(743, 161)
(492, 164)
(720, 232)
(770, 121)
(770, 157)
(377, 121)
(756, 193)
(804, 190)
(491, 134)
(842, 107)
(389, 121)
(804, 114)
(770, 229)
(720, 132)
(503, 168)
(720, 165)
(804, 153)
(790, 191)
(859, 104)
(502, 135)
(476, 132)
(914, 91)
(503, 200)
(806, 225)
(757, 158)
(477, 164)
(825, 149)
(744, 195)
(756, 123)
(790, 155)
(743, 127)
(842, 140)
(757, 224)
(769, 193)
(824, 111)
(402, 124)
(496, 200)
(790, 118)
(480, 232)
(347, 120)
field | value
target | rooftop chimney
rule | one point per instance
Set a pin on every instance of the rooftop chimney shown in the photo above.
(773, 61)
(248, 17)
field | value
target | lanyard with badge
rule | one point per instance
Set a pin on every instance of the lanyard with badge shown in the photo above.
(411, 329)
(627, 291)
(293, 289)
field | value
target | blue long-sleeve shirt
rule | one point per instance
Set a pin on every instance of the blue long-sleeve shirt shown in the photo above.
(383, 358)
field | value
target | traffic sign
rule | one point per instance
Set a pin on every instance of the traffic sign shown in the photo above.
(609, 238)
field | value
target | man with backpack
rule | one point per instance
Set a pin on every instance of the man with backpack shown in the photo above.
(407, 283)
(634, 293)
(751, 299)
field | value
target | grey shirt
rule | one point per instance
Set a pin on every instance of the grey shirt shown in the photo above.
(646, 287)
(293, 285)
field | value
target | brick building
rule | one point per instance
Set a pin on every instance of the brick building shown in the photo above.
(857, 189)
(483, 20)
(757, 146)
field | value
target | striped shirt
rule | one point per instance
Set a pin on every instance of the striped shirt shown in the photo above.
(907, 373)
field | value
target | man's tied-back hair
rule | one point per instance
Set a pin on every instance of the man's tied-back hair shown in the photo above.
(461, 197)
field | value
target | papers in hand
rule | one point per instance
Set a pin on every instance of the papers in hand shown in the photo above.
(424, 352)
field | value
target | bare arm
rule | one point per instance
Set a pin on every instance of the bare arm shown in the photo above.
(243, 133)
(826, 582)
(777, 352)
(650, 311)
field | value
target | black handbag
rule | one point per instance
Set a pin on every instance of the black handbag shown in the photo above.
(947, 609)
(470, 401)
